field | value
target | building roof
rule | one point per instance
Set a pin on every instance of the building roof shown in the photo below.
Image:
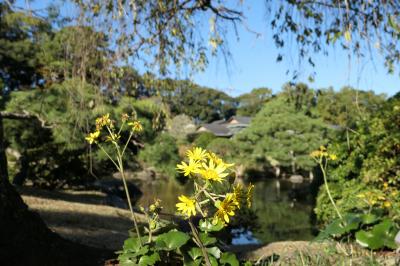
(240, 119)
(226, 128)
(217, 129)
(221, 121)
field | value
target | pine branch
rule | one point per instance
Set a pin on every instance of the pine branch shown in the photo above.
(24, 115)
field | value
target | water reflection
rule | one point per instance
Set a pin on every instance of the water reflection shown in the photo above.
(282, 210)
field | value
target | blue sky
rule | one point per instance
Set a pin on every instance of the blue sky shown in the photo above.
(253, 62)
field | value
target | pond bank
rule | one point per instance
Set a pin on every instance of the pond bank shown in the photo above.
(81, 217)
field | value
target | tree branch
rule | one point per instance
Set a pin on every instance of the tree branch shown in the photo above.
(24, 115)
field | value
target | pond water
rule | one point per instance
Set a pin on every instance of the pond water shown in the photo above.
(281, 210)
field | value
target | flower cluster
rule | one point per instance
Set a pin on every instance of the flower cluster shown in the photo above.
(209, 172)
(323, 153)
(104, 122)
(205, 164)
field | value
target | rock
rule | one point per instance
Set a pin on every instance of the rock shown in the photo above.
(147, 175)
(296, 179)
(283, 249)
(114, 187)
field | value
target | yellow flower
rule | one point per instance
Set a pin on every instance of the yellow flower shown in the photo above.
(187, 169)
(197, 154)
(387, 204)
(238, 190)
(361, 195)
(212, 156)
(333, 157)
(381, 198)
(136, 126)
(249, 195)
(226, 208)
(113, 137)
(103, 121)
(92, 137)
(124, 117)
(315, 154)
(186, 206)
(213, 172)
(322, 148)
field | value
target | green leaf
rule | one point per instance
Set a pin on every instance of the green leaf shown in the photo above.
(216, 252)
(132, 244)
(213, 261)
(334, 229)
(368, 240)
(172, 240)
(351, 222)
(143, 250)
(127, 259)
(394, 24)
(189, 262)
(195, 253)
(340, 227)
(347, 35)
(381, 235)
(229, 258)
(369, 218)
(149, 260)
(208, 226)
(206, 239)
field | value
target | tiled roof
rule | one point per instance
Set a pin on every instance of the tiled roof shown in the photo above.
(218, 130)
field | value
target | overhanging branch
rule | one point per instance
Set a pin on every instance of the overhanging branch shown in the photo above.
(24, 115)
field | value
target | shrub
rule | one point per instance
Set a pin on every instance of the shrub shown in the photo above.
(203, 139)
(162, 154)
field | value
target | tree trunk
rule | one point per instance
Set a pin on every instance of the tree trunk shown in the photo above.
(3, 156)
(20, 177)
(25, 238)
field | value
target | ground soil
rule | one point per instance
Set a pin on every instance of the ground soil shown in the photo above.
(81, 216)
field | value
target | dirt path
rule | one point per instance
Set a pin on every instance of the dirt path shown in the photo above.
(81, 216)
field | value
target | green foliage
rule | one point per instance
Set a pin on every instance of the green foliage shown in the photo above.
(283, 136)
(224, 147)
(369, 230)
(347, 106)
(381, 235)
(203, 139)
(21, 36)
(366, 174)
(181, 126)
(161, 154)
(314, 27)
(201, 103)
(173, 247)
(249, 104)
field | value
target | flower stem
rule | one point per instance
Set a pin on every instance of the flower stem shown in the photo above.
(199, 243)
(323, 169)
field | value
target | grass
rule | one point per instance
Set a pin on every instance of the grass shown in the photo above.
(330, 253)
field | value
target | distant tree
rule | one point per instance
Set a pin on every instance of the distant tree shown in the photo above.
(203, 104)
(181, 126)
(161, 154)
(283, 134)
(347, 106)
(300, 96)
(250, 103)
(203, 139)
